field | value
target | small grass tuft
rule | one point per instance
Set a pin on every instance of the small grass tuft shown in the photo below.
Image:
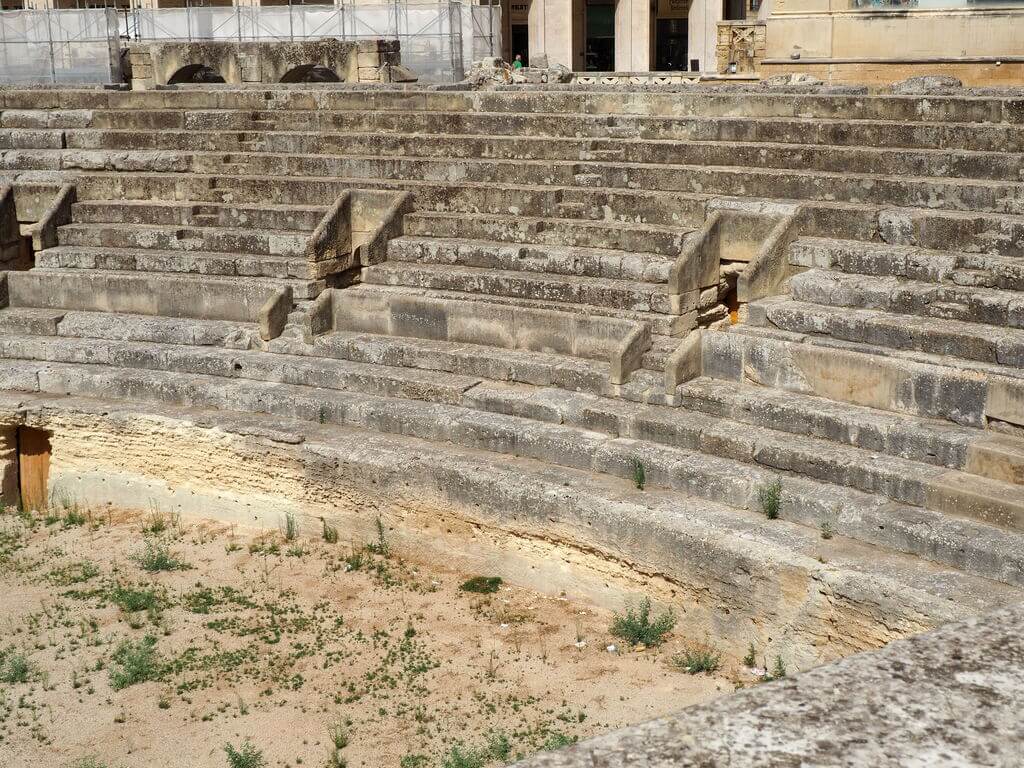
(697, 659)
(381, 546)
(330, 533)
(827, 532)
(484, 585)
(15, 667)
(750, 660)
(558, 740)
(778, 669)
(157, 557)
(637, 627)
(131, 600)
(246, 757)
(135, 662)
(339, 740)
(291, 527)
(461, 756)
(639, 474)
(770, 498)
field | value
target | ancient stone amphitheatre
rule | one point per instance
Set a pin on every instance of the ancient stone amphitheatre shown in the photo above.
(753, 353)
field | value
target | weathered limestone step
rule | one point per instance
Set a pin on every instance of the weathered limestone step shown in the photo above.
(982, 270)
(769, 153)
(618, 235)
(935, 442)
(661, 347)
(225, 188)
(902, 480)
(968, 546)
(563, 260)
(937, 336)
(297, 218)
(512, 365)
(26, 321)
(294, 134)
(948, 301)
(929, 386)
(205, 297)
(700, 545)
(928, 227)
(227, 108)
(920, 191)
(991, 137)
(173, 261)
(673, 427)
(561, 289)
(985, 453)
(665, 325)
(196, 238)
(326, 373)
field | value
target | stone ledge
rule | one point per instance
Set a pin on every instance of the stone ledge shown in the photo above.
(950, 697)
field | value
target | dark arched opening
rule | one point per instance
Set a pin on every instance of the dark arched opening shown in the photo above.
(195, 73)
(311, 73)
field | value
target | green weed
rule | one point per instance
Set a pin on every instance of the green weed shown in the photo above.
(131, 600)
(15, 667)
(770, 498)
(461, 756)
(639, 475)
(381, 547)
(558, 740)
(135, 662)
(73, 573)
(637, 627)
(484, 585)
(291, 527)
(157, 557)
(330, 533)
(246, 757)
(778, 669)
(701, 658)
(750, 660)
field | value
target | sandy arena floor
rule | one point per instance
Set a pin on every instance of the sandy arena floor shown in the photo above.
(294, 646)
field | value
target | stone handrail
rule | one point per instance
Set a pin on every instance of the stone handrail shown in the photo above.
(375, 249)
(44, 231)
(331, 241)
(768, 270)
(274, 313)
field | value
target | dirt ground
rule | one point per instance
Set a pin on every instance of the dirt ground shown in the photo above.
(131, 639)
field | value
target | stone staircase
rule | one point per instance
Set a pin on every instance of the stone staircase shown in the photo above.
(879, 384)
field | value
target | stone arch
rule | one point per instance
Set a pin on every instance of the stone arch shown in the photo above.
(311, 73)
(196, 73)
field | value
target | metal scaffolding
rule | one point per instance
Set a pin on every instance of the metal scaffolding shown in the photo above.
(439, 41)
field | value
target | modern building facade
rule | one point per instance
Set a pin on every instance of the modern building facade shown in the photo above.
(979, 41)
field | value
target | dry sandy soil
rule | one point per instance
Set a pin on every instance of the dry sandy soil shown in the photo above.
(247, 636)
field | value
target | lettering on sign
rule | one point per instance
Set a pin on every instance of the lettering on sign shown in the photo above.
(673, 9)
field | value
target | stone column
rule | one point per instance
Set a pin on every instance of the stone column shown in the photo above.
(633, 35)
(551, 31)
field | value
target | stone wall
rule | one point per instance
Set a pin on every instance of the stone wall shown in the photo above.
(951, 697)
(845, 42)
(237, 63)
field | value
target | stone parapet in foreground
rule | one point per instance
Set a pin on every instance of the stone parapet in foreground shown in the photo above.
(950, 697)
